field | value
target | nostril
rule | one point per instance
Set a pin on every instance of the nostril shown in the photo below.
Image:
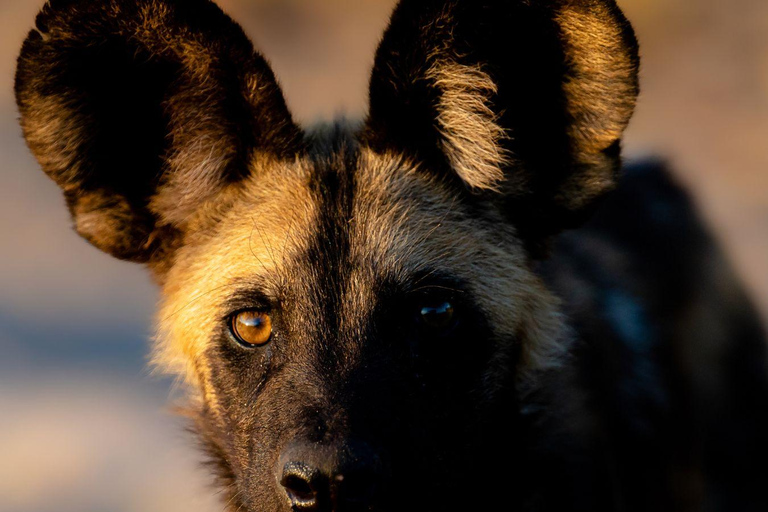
(301, 485)
(298, 488)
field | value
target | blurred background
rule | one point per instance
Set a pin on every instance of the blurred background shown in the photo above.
(85, 428)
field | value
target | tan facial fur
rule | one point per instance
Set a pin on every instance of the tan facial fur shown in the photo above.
(403, 223)
(262, 221)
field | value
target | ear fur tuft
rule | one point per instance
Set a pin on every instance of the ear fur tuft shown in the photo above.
(472, 138)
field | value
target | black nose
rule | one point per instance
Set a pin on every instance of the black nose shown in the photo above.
(324, 479)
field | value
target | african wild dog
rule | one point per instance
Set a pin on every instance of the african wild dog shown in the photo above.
(375, 316)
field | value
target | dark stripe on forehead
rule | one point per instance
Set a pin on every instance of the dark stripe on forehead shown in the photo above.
(325, 267)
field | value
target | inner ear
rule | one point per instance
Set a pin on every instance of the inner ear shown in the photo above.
(124, 89)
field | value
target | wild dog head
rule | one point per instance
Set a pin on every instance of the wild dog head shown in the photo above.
(353, 307)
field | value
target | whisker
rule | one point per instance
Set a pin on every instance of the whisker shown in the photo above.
(250, 243)
(425, 276)
(290, 235)
(231, 499)
(267, 246)
(419, 241)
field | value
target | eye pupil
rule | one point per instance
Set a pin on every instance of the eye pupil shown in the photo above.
(252, 328)
(438, 316)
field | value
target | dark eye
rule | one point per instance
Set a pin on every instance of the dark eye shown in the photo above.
(251, 328)
(438, 317)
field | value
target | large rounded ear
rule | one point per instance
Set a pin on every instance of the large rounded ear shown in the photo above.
(525, 99)
(142, 109)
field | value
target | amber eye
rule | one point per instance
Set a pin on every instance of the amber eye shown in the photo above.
(252, 328)
(438, 317)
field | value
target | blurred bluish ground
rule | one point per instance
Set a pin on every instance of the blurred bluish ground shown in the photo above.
(84, 427)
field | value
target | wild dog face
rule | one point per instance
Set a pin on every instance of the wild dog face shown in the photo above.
(353, 308)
